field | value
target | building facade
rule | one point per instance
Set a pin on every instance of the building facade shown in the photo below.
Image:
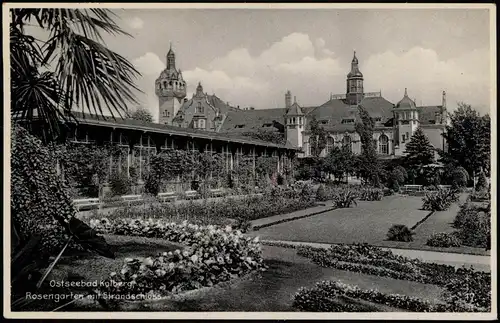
(394, 123)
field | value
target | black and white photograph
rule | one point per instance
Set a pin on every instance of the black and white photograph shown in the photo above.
(271, 161)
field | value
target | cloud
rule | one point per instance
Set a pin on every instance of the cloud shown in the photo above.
(136, 23)
(464, 78)
(311, 71)
(149, 64)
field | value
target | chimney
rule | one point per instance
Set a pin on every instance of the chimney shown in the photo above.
(443, 103)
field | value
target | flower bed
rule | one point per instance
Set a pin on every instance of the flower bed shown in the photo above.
(323, 298)
(371, 194)
(213, 255)
(376, 261)
(218, 211)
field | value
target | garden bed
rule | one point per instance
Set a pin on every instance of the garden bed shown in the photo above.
(465, 290)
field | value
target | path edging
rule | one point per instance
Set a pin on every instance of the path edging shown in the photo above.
(258, 227)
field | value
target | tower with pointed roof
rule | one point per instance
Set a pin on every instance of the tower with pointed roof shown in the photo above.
(406, 121)
(354, 93)
(294, 122)
(170, 88)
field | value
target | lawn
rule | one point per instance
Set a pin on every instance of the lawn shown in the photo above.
(367, 222)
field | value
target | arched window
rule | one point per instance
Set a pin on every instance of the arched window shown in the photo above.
(329, 144)
(201, 124)
(346, 142)
(383, 145)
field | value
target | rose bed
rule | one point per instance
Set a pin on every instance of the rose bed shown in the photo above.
(212, 255)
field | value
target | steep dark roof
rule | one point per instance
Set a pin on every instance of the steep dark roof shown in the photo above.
(160, 128)
(249, 120)
(406, 102)
(427, 114)
(331, 113)
(294, 110)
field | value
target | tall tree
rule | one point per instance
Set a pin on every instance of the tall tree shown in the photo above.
(367, 162)
(419, 153)
(468, 140)
(71, 69)
(317, 137)
(142, 114)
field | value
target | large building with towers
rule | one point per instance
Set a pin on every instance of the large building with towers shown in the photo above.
(394, 123)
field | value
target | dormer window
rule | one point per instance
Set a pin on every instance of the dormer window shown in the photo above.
(347, 121)
(378, 119)
(199, 108)
(324, 121)
(239, 126)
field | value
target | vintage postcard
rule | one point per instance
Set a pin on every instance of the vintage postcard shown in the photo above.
(265, 161)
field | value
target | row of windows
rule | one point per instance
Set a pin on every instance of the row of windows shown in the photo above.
(294, 120)
(170, 84)
(383, 144)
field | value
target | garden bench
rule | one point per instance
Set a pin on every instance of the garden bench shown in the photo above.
(216, 192)
(191, 194)
(167, 196)
(412, 188)
(92, 202)
(131, 198)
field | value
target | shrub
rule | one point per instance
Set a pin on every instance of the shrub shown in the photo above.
(40, 203)
(321, 193)
(479, 196)
(482, 184)
(474, 225)
(371, 194)
(444, 240)
(119, 183)
(213, 255)
(344, 197)
(439, 200)
(400, 232)
(459, 177)
(307, 192)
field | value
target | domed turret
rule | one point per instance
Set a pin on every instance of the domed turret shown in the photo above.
(406, 103)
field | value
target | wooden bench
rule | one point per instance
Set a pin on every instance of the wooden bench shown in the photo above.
(131, 198)
(167, 196)
(191, 194)
(216, 192)
(83, 203)
(412, 188)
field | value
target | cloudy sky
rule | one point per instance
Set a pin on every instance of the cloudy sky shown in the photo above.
(250, 57)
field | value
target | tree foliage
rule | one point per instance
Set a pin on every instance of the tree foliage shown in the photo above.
(339, 162)
(86, 74)
(468, 140)
(368, 165)
(419, 151)
(317, 137)
(142, 114)
(269, 136)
